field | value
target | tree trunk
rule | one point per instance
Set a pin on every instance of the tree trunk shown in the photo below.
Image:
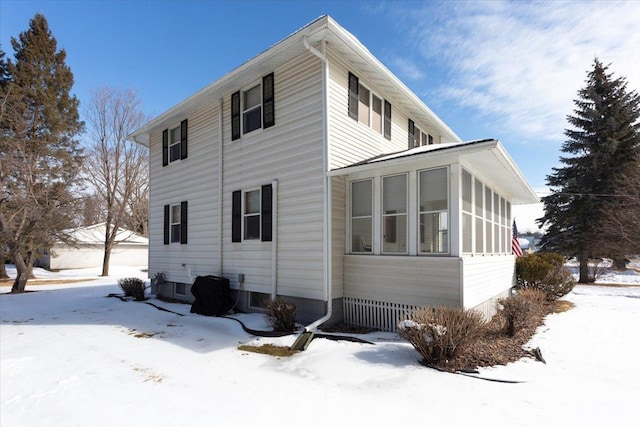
(3, 269)
(24, 268)
(105, 259)
(584, 267)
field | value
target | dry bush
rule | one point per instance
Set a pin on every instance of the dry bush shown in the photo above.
(281, 315)
(544, 271)
(133, 287)
(441, 334)
(514, 313)
(536, 296)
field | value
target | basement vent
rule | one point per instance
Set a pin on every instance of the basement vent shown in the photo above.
(375, 314)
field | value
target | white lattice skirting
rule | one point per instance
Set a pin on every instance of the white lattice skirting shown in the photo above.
(375, 314)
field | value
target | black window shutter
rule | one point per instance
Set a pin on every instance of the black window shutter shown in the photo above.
(183, 223)
(183, 139)
(353, 96)
(165, 147)
(412, 134)
(268, 105)
(166, 224)
(387, 119)
(236, 217)
(266, 213)
(235, 116)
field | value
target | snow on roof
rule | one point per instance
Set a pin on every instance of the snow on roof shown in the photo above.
(94, 234)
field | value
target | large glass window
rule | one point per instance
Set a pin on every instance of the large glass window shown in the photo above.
(394, 214)
(251, 215)
(434, 209)
(361, 216)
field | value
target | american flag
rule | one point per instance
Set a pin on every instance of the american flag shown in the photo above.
(515, 245)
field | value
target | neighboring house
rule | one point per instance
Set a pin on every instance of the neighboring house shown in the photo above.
(87, 250)
(313, 173)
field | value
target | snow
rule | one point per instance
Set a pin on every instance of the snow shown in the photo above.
(70, 357)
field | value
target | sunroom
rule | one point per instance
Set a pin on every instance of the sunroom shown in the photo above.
(429, 226)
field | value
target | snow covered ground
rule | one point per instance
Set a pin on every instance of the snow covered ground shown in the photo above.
(69, 356)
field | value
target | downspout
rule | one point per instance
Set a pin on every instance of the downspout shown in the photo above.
(327, 223)
(274, 239)
(220, 188)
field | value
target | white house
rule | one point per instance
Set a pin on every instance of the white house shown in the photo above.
(313, 173)
(87, 251)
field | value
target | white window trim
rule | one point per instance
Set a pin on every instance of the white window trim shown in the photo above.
(174, 143)
(245, 215)
(172, 223)
(383, 216)
(243, 111)
(447, 210)
(351, 217)
(372, 93)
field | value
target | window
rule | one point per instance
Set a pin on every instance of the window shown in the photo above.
(175, 223)
(368, 108)
(467, 212)
(434, 210)
(252, 215)
(174, 143)
(394, 214)
(253, 108)
(361, 216)
(179, 289)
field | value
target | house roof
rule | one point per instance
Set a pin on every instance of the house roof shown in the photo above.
(487, 157)
(94, 234)
(323, 28)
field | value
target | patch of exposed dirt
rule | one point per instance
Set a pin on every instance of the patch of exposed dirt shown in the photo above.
(32, 282)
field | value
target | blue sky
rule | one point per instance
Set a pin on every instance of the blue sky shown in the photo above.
(489, 69)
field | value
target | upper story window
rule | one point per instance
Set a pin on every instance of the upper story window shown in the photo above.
(252, 214)
(368, 108)
(174, 143)
(253, 108)
(417, 137)
(175, 223)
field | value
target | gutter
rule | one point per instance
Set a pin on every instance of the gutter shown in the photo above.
(220, 187)
(274, 239)
(327, 273)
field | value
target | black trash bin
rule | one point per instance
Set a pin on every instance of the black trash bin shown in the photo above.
(212, 296)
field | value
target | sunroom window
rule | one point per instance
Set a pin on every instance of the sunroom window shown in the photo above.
(434, 211)
(361, 216)
(394, 214)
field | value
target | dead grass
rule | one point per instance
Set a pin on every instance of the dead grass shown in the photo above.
(270, 349)
(561, 306)
(32, 282)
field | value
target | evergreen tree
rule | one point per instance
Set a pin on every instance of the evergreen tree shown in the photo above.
(604, 136)
(39, 155)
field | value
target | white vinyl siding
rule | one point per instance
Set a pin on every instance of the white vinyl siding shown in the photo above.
(193, 179)
(291, 153)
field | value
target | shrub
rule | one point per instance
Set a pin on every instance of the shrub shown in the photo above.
(281, 315)
(544, 271)
(536, 296)
(514, 313)
(133, 287)
(441, 334)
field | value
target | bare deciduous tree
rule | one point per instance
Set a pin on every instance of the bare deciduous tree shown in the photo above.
(115, 167)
